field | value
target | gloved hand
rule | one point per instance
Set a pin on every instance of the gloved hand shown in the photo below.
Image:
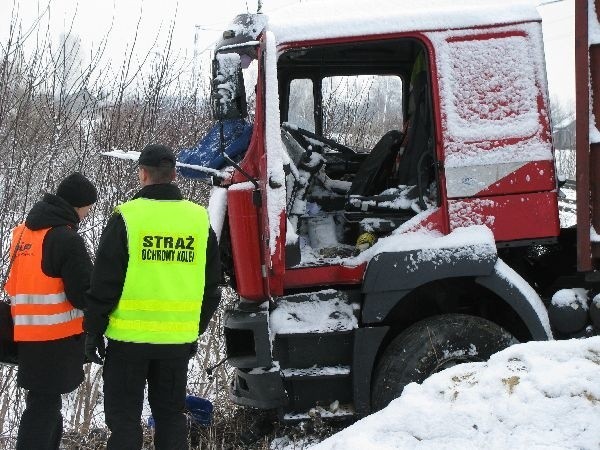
(193, 349)
(94, 348)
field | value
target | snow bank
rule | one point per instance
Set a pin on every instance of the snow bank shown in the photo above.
(305, 21)
(534, 395)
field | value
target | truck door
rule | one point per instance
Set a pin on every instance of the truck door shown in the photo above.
(497, 145)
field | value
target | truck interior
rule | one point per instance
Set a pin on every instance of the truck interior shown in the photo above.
(358, 130)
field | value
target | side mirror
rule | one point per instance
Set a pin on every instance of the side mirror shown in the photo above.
(228, 95)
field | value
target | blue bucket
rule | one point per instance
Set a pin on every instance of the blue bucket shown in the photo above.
(200, 409)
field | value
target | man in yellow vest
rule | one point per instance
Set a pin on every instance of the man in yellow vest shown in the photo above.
(47, 281)
(153, 290)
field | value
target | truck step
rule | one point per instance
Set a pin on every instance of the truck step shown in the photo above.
(341, 412)
(303, 351)
(316, 372)
(317, 387)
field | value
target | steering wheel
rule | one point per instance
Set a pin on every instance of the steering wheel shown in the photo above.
(325, 141)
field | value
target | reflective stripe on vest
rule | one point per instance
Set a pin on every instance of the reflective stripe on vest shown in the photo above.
(164, 283)
(40, 308)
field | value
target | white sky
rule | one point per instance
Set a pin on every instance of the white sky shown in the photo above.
(93, 19)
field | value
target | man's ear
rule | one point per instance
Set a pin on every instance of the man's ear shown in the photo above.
(142, 175)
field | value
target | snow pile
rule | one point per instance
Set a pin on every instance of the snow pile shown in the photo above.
(305, 21)
(534, 395)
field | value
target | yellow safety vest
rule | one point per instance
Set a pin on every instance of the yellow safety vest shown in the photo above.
(164, 285)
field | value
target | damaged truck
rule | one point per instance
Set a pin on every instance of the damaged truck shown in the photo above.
(393, 209)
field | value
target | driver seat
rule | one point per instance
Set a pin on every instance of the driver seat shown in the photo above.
(375, 170)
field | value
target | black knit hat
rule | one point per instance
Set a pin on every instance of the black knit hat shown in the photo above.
(156, 155)
(77, 190)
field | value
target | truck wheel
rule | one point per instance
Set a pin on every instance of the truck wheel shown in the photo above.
(431, 346)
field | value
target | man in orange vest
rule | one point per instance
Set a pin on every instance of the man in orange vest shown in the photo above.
(49, 275)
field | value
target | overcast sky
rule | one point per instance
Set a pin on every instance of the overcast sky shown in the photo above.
(205, 20)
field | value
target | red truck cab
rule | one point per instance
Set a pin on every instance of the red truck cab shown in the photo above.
(399, 179)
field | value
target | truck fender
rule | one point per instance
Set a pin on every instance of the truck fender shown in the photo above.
(391, 276)
(514, 290)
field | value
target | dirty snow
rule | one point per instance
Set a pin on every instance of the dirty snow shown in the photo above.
(538, 395)
(305, 21)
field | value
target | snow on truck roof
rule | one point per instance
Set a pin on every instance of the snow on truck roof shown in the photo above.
(344, 18)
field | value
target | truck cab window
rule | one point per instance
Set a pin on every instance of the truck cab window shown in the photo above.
(357, 128)
(302, 104)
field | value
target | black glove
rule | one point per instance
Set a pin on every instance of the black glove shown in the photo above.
(193, 349)
(94, 348)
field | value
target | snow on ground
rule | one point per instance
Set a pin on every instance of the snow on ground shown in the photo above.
(538, 395)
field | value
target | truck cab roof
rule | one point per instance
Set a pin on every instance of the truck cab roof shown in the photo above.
(310, 21)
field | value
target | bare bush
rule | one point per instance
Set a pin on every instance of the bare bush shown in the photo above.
(57, 114)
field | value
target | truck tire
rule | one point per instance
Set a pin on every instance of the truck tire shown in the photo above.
(430, 346)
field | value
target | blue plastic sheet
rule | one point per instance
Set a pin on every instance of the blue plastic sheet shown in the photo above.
(237, 133)
(199, 409)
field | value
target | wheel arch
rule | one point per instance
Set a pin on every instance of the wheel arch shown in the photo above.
(396, 299)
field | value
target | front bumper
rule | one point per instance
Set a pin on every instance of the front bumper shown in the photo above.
(257, 381)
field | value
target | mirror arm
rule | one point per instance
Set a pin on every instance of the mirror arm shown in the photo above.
(256, 197)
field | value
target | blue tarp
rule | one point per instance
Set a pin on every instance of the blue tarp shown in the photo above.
(207, 152)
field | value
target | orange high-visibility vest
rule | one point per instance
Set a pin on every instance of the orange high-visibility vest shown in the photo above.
(40, 309)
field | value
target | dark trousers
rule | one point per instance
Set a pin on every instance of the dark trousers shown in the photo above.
(41, 424)
(124, 382)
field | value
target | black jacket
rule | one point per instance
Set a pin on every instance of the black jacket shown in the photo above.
(108, 279)
(57, 366)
